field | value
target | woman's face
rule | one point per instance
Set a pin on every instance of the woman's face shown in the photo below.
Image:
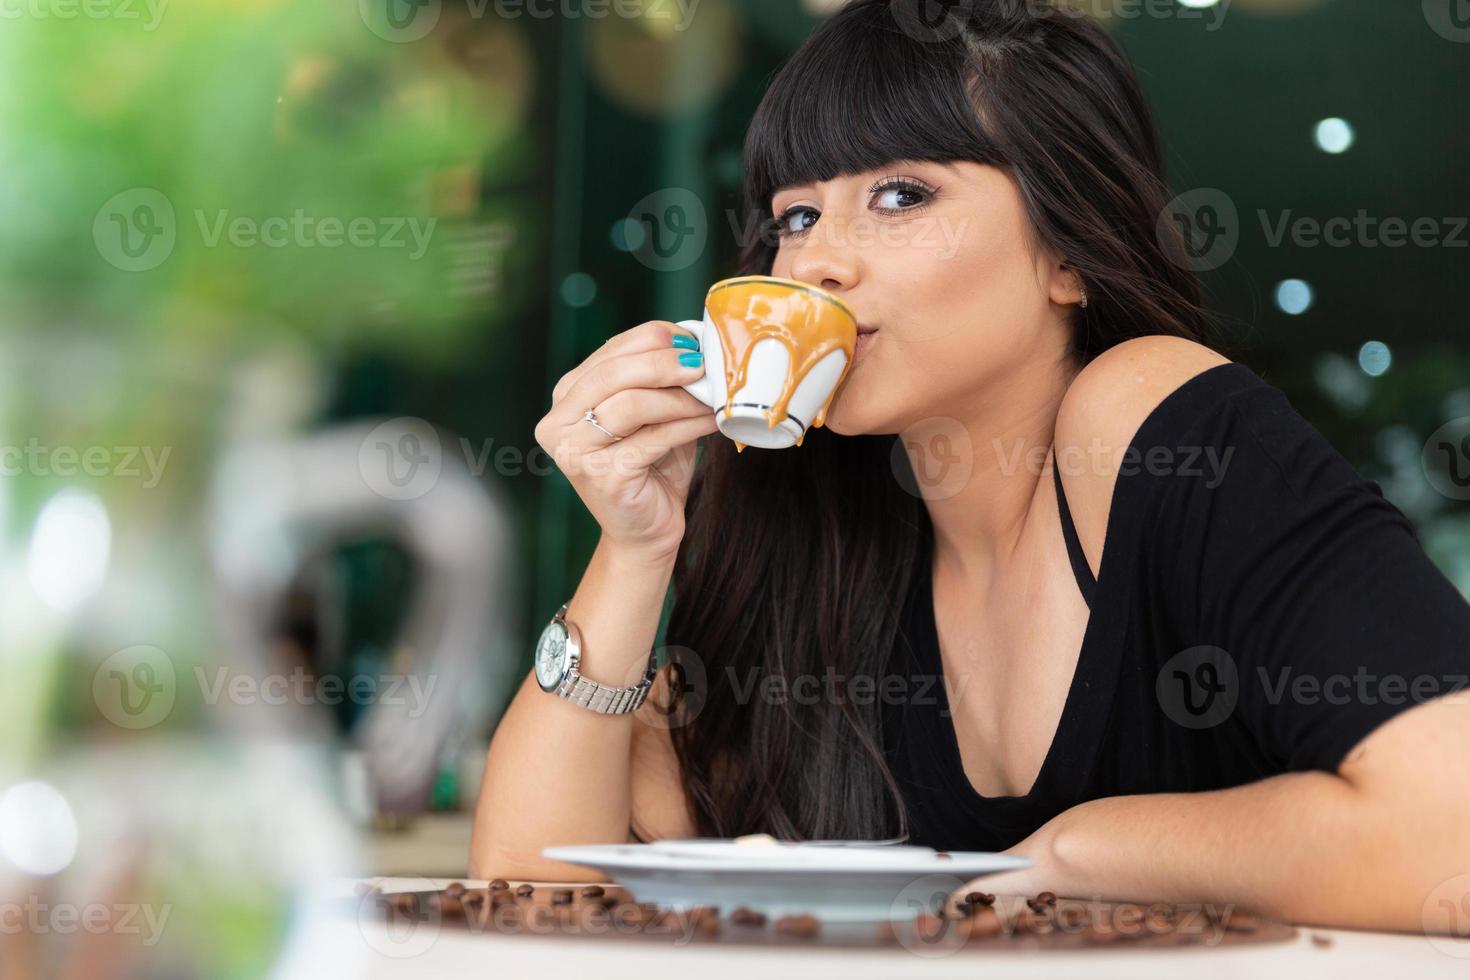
(937, 257)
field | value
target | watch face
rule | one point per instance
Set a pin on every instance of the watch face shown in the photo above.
(551, 656)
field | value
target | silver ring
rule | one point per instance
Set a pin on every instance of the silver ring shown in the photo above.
(591, 417)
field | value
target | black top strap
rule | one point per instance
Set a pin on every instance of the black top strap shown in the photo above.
(1085, 580)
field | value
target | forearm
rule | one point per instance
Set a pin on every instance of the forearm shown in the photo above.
(1303, 847)
(558, 773)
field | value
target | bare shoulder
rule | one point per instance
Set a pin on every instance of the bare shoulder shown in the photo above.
(1103, 408)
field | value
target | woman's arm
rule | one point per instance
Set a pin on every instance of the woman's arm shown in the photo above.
(1382, 844)
(557, 773)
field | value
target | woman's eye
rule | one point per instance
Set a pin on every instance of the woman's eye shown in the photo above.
(900, 196)
(793, 221)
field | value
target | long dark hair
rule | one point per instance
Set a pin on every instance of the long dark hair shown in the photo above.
(797, 563)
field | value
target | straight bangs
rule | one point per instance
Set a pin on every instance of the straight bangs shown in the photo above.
(859, 95)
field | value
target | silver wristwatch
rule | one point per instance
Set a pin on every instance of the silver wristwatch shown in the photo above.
(558, 653)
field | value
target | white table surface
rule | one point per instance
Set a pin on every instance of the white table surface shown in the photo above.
(449, 952)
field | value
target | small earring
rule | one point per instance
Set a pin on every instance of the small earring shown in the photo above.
(1083, 303)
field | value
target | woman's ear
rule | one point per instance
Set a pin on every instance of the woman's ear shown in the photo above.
(1065, 286)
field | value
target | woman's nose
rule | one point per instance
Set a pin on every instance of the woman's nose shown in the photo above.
(825, 264)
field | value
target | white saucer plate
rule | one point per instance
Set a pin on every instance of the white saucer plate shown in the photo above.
(836, 884)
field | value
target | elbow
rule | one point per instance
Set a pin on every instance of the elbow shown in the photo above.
(489, 863)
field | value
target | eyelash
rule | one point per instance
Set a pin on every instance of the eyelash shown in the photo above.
(896, 182)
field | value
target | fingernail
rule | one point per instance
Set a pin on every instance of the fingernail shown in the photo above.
(685, 341)
(691, 360)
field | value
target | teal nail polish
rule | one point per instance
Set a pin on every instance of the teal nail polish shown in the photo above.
(691, 360)
(685, 341)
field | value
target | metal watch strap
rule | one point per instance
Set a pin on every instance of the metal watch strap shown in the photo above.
(587, 693)
(604, 700)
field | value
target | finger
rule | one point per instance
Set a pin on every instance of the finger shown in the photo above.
(652, 442)
(627, 411)
(643, 369)
(649, 335)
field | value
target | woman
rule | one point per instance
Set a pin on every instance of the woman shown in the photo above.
(1087, 645)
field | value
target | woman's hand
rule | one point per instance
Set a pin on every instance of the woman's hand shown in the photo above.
(1042, 875)
(635, 486)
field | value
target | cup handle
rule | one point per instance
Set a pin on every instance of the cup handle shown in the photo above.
(702, 387)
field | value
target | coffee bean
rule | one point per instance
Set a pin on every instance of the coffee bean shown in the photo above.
(454, 889)
(497, 884)
(525, 890)
(964, 908)
(801, 924)
(747, 917)
(1050, 898)
(592, 891)
(980, 898)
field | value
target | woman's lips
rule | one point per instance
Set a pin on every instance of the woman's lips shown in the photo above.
(864, 341)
